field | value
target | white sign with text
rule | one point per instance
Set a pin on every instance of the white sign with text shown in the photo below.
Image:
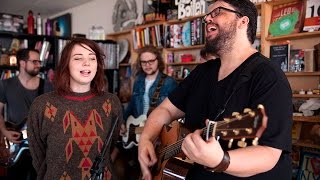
(187, 8)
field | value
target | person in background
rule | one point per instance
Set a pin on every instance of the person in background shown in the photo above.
(150, 77)
(150, 67)
(240, 78)
(17, 94)
(68, 127)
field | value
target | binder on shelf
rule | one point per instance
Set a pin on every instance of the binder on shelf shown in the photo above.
(279, 54)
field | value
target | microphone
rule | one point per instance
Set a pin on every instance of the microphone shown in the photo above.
(97, 168)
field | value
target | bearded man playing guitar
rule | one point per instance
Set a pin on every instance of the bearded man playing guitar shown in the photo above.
(239, 78)
(17, 94)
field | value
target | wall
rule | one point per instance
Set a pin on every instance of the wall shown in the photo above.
(96, 12)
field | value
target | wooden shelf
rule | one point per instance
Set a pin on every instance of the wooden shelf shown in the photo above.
(119, 33)
(258, 5)
(178, 21)
(317, 73)
(29, 36)
(305, 144)
(142, 26)
(301, 35)
(314, 119)
(124, 65)
(186, 48)
(258, 35)
(184, 63)
(6, 67)
(306, 95)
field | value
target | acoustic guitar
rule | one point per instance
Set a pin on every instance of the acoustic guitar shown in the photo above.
(248, 125)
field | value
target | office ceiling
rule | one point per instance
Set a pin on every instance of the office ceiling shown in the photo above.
(44, 7)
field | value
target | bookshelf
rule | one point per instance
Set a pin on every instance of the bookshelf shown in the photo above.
(48, 46)
(126, 68)
(303, 135)
(53, 50)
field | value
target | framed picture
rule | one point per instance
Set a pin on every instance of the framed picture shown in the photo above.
(309, 167)
(61, 26)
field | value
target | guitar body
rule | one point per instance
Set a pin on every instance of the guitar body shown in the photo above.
(175, 169)
(131, 138)
(170, 134)
(4, 154)
(11, 153)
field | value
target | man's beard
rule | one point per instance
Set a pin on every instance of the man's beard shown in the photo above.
(33, 72)
(223, 42)
(152, 72)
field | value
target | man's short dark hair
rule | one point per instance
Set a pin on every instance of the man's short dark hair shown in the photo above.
(23, 55)
(246, 8)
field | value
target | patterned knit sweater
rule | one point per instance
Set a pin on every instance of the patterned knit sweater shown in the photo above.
(66, 133)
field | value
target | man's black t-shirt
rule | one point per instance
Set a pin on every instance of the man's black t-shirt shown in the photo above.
(201, 96)
(18, 98)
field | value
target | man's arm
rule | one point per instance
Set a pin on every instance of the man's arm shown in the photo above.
(2, 125)
(163, 114)
(244, 162)
(12, 136)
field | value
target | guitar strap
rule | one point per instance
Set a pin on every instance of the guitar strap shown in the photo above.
(155, 97)
(41, 87)
(244, 76)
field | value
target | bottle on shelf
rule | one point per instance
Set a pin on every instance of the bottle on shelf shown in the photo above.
(39, 25)
(91, 32)
(30, 22)
(48, 29)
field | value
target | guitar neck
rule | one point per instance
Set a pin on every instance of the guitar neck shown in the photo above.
(138, 130)
(171, 150)
(247, 125)
(175, 148)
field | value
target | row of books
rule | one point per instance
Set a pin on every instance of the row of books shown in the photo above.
(61, 44)
(112, 53)
(15, 44)
(44, 48)
(177, 35)
(6, 74)
(148, 36)
(188, 33)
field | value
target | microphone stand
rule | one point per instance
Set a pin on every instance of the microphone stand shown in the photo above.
(97, 169)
